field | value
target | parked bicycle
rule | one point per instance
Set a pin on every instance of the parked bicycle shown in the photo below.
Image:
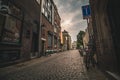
(88, 58)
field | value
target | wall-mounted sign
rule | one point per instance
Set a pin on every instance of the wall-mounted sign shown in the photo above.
(86, 11)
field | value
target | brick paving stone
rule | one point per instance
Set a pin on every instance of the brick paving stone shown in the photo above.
(66, 65)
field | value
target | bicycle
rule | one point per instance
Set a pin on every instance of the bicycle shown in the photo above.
(89, 60)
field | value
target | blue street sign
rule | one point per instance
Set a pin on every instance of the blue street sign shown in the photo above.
(86, 11)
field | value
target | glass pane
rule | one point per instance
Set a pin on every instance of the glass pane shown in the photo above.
(12, 30)
(2, 20)
(49, 41)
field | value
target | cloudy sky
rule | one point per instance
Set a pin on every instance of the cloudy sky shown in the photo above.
(71, 16)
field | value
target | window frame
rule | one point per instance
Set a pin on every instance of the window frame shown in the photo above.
(2, 26)
(18, 19)
(49, 40)
(47, 10)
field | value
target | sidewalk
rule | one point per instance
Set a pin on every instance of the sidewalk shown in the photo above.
(26, 64)
(94, 73)
(97, 74)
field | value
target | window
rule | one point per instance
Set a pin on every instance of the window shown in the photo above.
(47, 10)
(46, 14)
(49, 5)
(46, 3)
(2, 20)
(10, 25)
(55, 42)
(55, 29)
(43, 33)
(11, 31)
(43, 7)
(49, 40)
(49, 16)
(43, 10)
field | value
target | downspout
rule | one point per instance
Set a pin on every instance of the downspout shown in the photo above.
(39, 42)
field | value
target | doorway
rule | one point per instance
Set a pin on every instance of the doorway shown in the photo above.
(34, 48)
(43, 47)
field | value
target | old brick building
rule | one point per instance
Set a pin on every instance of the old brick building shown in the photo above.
(66, 40)
(19, 30)
(86, 38)
(28, 29)
(105, 17)
(57, 29)
(51, 27)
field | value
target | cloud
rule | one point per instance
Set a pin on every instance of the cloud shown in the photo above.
(71, 16)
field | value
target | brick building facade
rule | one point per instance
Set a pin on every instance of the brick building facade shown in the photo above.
(51, 27)
(28, 29)
(105, 17)
(57, 29)
(19, 30)
(66, 40)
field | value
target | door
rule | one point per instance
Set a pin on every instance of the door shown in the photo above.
(43, 47)
(34, 47)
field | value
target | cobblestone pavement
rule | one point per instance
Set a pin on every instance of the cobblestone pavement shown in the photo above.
(66, 65)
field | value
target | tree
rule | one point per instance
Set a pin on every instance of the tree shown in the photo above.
(80, 39)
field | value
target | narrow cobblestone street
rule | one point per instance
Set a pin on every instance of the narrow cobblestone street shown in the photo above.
(66, 65)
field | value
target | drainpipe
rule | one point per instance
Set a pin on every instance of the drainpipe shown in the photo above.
(39, 42)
